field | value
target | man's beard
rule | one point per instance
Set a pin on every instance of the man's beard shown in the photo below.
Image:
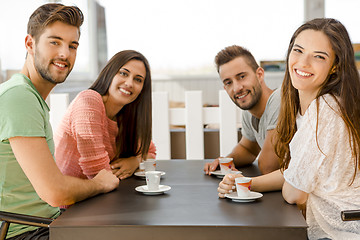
(256, 95)
(45, 72)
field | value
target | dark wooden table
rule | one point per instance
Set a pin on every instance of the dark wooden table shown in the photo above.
(190, 210)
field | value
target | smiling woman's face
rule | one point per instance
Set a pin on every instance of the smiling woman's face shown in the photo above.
(310, 61)
(127, 83)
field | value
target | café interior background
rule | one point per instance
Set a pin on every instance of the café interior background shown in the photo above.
(179, 37)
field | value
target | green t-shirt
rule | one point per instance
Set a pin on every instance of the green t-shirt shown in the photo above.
(23, 112)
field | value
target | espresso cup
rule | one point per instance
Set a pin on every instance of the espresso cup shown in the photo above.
(243, 185)
(149, 165)
(153, 180)
(225, 165)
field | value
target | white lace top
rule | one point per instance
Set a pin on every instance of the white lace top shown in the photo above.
(325, 173)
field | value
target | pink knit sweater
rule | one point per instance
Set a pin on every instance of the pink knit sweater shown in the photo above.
(85, 138)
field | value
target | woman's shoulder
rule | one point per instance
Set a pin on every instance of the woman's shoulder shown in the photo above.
(330, 100)
(326, 103)
(324, 110)
(87, 101)
(89, 93)
(89, 96)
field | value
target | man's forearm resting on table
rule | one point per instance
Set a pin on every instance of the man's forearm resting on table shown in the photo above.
(37, 162)
(268, 161)
(242, 156)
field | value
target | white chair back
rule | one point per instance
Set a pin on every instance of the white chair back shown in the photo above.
(58, 105)
(194, 117)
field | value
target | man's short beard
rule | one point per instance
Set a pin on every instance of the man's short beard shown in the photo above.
(258, 92)
(45, 73)
(45, 76)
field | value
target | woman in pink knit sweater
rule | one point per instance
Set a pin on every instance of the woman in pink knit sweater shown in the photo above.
(108, 126)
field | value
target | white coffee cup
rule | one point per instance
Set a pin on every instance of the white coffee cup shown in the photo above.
(153, 180)
(150, 165)
(225, 165)
(243, 185)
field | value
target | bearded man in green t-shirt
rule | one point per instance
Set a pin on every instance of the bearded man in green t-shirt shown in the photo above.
(30, 182)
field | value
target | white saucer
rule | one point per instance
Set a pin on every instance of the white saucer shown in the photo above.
(144, 189)
(253, 196)
(141, 174)
(220, 175)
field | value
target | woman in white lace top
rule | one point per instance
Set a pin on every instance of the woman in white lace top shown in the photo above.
(319, 128)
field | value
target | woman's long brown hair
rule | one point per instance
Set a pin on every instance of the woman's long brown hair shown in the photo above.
(343, 83)
(134, 119)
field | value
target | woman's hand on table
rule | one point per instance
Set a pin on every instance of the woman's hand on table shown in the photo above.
(125, 167)
(227, 185)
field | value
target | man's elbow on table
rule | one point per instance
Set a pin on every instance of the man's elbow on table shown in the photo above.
(66, 190)
(57, 197)
(62, 190)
